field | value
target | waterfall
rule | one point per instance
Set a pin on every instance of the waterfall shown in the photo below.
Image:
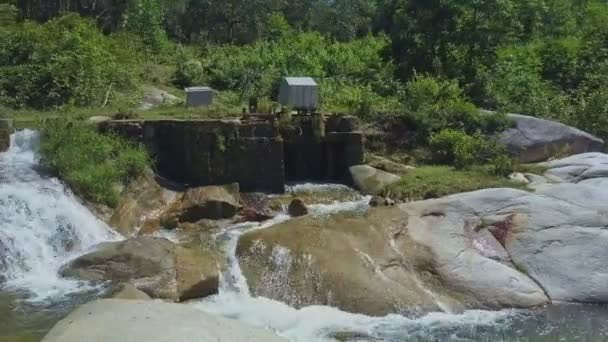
(42, 224)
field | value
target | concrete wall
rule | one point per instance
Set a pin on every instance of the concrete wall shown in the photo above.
(6, 128)
(255, 154)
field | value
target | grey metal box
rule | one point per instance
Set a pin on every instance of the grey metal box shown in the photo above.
(299, 93)
(199, 96)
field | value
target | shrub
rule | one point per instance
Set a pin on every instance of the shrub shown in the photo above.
(463, 151)
(434, 104)
(189, 71)
(93, 164)
(502, 164)
(456, 147)
(65, 61)
(358, 99)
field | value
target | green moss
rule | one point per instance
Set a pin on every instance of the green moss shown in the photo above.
(436, 181)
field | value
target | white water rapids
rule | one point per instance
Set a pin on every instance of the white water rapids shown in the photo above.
(43, 226)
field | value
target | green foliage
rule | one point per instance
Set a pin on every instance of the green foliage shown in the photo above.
(189, 71)
(464, 151)
(502, 164)
(434, 104)
(456, 147)
(516, 83)
(359, 99)
(93, 164)
(436, 181)
(254, 70)
(65, 61)
(592, 112)
(145, 20)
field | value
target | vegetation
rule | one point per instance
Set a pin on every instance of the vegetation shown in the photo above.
(66, 61)
(93, 164)
(436, 181)
(432, 64)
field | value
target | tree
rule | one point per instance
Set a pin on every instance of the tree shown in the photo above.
(145, 19)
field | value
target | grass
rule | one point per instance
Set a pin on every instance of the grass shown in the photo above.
(436, 181)
(94, 165)
(226, 105)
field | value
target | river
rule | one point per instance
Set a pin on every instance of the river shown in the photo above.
(43, 226)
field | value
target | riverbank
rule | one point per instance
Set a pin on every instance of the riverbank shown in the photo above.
(52, 297)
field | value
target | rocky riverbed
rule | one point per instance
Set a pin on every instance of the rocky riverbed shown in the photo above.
(496, 264)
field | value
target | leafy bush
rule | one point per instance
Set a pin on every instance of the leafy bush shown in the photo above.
(434, 104)
(463, 151)
(358, 99)
(93, 164)
(502, 164)
(189, 71)
(65, 61)
(457, 148)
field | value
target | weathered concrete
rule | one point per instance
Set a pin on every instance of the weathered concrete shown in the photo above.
(150, 321)
(256, 154)
(6, 129)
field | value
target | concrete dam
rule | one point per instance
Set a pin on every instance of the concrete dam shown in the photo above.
(259, 154)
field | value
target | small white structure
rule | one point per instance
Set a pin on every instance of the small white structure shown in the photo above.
(299, 93)
(199, 96)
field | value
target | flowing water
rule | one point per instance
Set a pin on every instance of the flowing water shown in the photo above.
(43, 226)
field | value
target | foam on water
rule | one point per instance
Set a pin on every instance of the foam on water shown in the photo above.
(322, 323)
(42, 224)
(316, 187)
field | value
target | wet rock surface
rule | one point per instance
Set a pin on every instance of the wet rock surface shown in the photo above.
(489, 249)
(155, 266)
(389, 260)
(297, 208)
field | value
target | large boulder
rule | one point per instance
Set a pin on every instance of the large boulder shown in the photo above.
(150, 321)
(6, 129)
(154, 265)
(487, 249)
(154, 97)
(140, 205)
(389, 260)
(255, 207)
(387, 165)
(207, 202)
(534, 140)
(371, 180)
